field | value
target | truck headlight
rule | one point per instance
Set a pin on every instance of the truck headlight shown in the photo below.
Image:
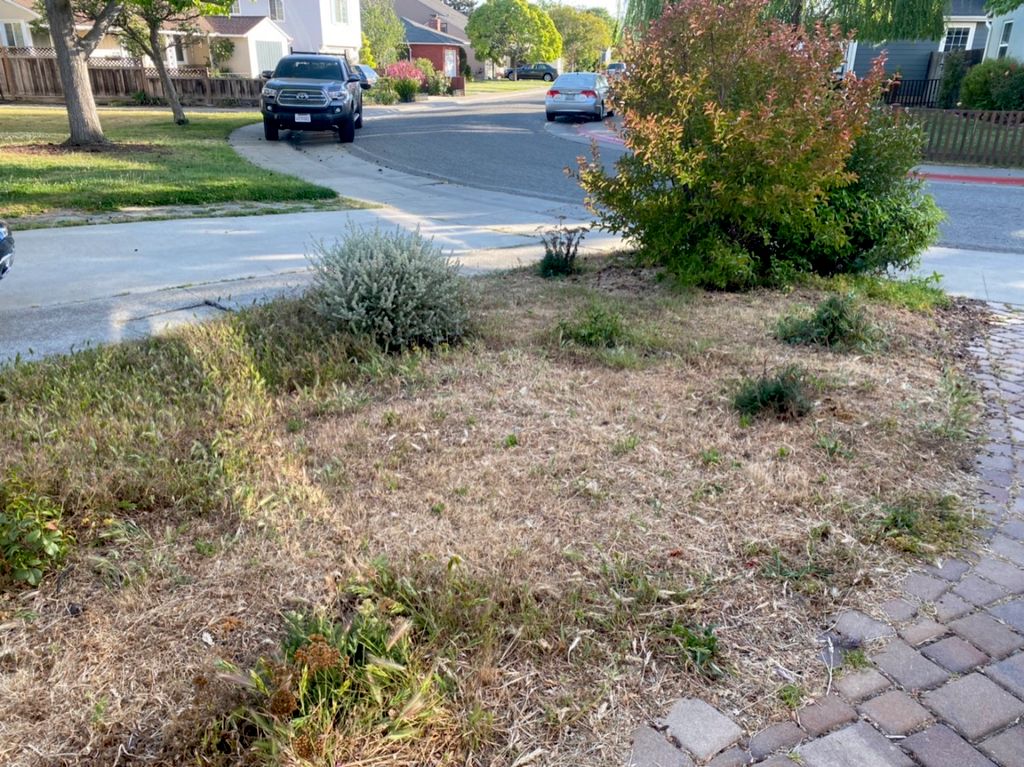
(337, 95)
(269, 93)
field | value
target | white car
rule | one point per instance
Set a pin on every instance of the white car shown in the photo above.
(578, 94)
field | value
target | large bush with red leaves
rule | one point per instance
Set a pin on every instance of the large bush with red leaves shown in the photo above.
(740, 133)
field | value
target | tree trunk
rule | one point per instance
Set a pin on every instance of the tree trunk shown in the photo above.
(157, 52)
(73, 67)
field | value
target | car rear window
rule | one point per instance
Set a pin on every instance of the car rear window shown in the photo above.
(312, 70)
(576, 81)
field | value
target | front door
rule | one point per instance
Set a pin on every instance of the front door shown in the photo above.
(451, 62)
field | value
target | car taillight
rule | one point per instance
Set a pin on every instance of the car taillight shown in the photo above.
(553, 92)
(589, 94)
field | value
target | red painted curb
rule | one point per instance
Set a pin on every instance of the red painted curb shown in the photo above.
(973, 179)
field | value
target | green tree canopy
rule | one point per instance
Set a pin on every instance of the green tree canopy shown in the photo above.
(585, 36)
(515, 29)
(999, 7)
(871, 20)
(465, 7)
(384, 31)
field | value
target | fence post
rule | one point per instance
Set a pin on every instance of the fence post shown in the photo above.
(6, 80)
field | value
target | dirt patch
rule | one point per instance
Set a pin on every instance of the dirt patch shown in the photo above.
(598, 505)
(112, 149)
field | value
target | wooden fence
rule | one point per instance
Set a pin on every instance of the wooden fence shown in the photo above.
(974, 137)
(27, 76)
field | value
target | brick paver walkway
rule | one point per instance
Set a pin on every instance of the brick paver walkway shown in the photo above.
(947, 687)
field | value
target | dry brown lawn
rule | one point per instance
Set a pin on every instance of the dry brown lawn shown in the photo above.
(594, 499)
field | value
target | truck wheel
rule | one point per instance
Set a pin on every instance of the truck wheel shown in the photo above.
(270, 130)
(347, 130)
(359, 118)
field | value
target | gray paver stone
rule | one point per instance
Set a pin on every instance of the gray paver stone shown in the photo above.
(924, 587)
(652, 749)
(734, 757)
(951, 606)
(1010, 674)
(778, 737)
(1007, 747)
(825, 714)
(1014, 529)
(778, 761)
(896, 713)
(955, 654)
(974, 705)
(923, 631)
(862, 684)
(950, 569)
(859, 628)
(1011, 612)
(899, 610)
(1009, 548)
(908, 667)
(1003, 573)
(988, 634)
(939, 746)
(858, 745)
(700, 728)
(978, 591)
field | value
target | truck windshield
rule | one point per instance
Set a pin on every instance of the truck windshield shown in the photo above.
(309, 70)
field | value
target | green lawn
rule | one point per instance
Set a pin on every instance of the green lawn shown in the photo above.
(152, 162)
(478, 87)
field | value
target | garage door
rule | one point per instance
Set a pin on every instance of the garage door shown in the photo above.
(268, 52)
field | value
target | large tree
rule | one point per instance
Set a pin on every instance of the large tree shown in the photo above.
(513, 29)
(872, 20)
(383, 29)
(465, 7)
(73, 51)
(141, 23)
(585, 36)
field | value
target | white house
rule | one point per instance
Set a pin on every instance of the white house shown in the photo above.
(1006, 40)
(314, 26)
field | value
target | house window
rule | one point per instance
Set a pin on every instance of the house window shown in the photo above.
(444, 27)
(1004, 39)
(957, 39)
(179, 50)
(340, 11)
(14, 35)
(236, 8)
(277, 10)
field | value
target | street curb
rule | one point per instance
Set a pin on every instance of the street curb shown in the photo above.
(967, 179)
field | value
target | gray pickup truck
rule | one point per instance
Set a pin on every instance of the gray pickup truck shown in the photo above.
(316, 92)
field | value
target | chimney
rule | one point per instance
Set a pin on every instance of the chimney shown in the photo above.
(435, 23)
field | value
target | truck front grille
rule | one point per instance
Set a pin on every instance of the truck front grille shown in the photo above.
(294, 97)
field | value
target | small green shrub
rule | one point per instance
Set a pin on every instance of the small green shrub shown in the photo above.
(406, 89)
(31, 540)
(438, 84)
(598, 327)
(994, 84)
(561, 244)
(383, 92)
(954, 69)
(396, 288)
(783, 394)
(837, 323)
(918, 294)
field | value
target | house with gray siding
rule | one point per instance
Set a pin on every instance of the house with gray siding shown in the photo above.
(1007, 37)
(965, 30)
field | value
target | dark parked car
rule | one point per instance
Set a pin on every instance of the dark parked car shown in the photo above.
(532, 72)
(309, 91)
(367, 74)
(6, 248)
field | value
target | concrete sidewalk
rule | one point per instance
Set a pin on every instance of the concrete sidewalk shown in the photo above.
(98, 284)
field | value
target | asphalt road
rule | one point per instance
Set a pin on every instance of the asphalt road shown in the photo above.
(500, 145)
(508, 146)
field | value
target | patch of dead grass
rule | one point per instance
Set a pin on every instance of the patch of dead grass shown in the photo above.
(573, 540)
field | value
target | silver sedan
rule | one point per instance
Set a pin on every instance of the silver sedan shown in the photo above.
(579, 94)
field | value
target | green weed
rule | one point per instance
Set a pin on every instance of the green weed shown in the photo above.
(923, 524)
(784, 394)
(791, 695)
(837, 323)
(598, 327)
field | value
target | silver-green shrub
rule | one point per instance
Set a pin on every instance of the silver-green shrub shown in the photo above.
(395, 287)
